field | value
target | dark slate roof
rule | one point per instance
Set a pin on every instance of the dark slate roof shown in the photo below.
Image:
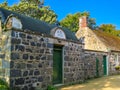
(37, 25)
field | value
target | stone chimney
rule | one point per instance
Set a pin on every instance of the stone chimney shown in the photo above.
(82, 22)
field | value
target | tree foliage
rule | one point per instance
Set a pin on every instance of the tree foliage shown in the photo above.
(110, 28)
(33, 8)
(71, 21)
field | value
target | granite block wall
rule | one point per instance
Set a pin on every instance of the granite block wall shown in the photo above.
(73, 63)
(26, 60)
(31, 61)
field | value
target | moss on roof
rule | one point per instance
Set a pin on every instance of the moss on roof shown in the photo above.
(37, 25)
(112, 42)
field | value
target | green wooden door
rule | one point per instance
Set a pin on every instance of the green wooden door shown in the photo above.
(104, 65)
(97, 67)
(57, 66)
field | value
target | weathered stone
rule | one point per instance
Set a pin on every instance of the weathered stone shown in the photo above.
(37, 57)
(25, 56)
(41, 50)
(44, 45)
(29, 65)
(22, 35)
(29, 50)
(19, 81)
(28, 81)
(31, 72)
(5, 64)
(25, 42)
(11, 64)
(12, 47)
(15, 73)
(19, 48)
(13, 34)
(49, 57)
(20, 65)
(25, 88)
(43, 58)
(42, 39)
(66, 58)
(15, 56)
(39, 44)
(0, 63)
(47, 51)
(31, 87)
(33, 43)
(49, 45)
(2, 72)
(25, 73)
(11, 82)
(2, 56)
(29, 37)
(15, 41)
(36, 72)
(66, 48)
(31, 57)
(37, 51)
(40, 65)
(40, 79)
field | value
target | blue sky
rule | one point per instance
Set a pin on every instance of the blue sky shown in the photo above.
(104, 11)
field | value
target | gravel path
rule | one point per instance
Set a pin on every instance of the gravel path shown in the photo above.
(104, 83)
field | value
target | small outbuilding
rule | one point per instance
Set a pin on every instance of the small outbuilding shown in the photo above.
(36, 54)
(108, 46)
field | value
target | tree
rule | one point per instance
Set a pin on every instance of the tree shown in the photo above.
(33, 9)
(109, 28)
(71, 21)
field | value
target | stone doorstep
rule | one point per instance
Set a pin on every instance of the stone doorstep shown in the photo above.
(58, 85)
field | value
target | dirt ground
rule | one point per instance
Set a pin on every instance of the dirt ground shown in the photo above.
(104, 83)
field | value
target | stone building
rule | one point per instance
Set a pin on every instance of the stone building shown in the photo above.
(36, 54)
(106, 45)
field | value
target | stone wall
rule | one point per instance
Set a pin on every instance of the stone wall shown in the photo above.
(26, 60)
(73, 63)
(114, 60)
(92, 42)
(5, 50)
(31, 62)
(90, 64)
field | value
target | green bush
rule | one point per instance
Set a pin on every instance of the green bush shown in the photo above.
(51, 88)
(117, 67)
(3, 85)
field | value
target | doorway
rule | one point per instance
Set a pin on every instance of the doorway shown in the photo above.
(57, 65)
(104, 65)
